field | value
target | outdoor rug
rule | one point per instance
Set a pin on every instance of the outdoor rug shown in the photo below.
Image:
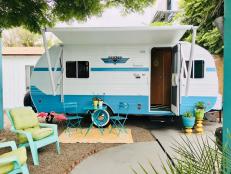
(73, 135)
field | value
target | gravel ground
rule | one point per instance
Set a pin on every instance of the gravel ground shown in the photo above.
(72, 154)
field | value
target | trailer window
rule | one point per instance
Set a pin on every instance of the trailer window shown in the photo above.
(197, 69)
(71, 69)
(83, 69)
(77, 69)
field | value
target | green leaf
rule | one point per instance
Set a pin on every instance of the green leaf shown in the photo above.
(37, 14)
(202, 13)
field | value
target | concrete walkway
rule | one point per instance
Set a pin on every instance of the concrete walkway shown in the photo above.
(170, 136)
(121, 159)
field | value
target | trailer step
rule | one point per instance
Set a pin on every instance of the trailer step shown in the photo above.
(160, 108)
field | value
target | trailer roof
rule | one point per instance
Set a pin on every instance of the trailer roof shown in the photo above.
(156, 35)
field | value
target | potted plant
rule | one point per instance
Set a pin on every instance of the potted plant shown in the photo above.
(95, 102)
(188, 120)
(200, 111)
(100, 103)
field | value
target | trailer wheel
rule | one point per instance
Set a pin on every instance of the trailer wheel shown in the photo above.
(28, 101)
(100, 118)
(103, 120)
(109, 110)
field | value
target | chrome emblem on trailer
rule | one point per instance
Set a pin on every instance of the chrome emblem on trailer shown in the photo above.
(115, 59)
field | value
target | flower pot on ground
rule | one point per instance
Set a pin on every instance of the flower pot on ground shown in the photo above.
(200, 111)
(188, 120)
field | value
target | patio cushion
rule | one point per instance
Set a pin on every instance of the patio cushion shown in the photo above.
(24, 117)
(37, 133)
(20, 153)
(41, 133)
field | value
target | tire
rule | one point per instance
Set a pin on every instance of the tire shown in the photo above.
(28, 101)
(110, 112)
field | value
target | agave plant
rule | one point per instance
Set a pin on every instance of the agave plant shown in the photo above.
(200, 157)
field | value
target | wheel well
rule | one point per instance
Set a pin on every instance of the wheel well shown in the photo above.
(109, 109)
(27, 101)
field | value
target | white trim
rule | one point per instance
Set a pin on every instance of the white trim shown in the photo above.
(194, 32)
(49, 62)
(158, 36)
(150, 28)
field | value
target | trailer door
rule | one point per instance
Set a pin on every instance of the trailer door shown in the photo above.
(175, 91)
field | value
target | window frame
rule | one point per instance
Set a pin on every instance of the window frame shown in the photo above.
(185, 72)
(70, 76)
(78, 75)
(83, 76)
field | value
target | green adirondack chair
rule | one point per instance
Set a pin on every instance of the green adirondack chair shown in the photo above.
(32, 133)
(14, 161)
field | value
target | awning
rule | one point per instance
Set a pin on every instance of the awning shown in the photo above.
(156, 35)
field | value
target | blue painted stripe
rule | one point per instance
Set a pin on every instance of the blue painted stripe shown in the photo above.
(119, 69)
(47, 69)
(47, 103)
(211, 69)
(188, 103)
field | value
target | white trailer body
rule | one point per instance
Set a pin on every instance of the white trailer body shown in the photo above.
(145, 67)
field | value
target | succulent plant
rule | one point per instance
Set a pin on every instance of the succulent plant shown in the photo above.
(200, 105)
(188, 114)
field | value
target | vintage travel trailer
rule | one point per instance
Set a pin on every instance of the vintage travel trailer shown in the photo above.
(147, 68)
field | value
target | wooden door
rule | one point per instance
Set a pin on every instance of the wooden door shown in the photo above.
(161, 76)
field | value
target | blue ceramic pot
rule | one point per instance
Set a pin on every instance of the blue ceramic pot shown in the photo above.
(188, 122)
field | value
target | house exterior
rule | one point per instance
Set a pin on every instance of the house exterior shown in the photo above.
(16, 64)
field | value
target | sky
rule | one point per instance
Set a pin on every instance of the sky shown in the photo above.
(114, 17)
